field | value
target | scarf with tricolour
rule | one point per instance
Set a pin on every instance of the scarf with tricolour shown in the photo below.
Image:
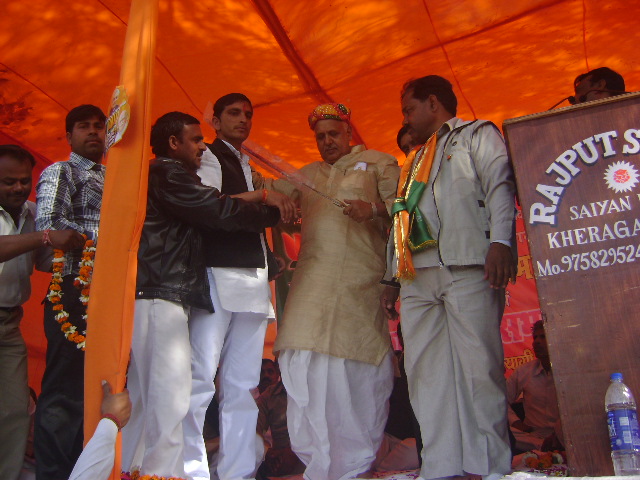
(410, 229)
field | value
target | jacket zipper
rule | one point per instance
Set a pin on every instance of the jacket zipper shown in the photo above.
(433, 185)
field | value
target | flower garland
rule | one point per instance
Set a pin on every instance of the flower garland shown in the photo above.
(549, 463)
(135, 475)
(82, 282)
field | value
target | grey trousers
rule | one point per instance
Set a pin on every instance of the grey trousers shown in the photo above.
(454, 363)
(14, 395)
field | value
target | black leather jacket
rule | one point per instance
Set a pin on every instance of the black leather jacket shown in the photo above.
(171, 262)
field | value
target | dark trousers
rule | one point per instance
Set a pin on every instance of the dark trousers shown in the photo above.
(58, 432)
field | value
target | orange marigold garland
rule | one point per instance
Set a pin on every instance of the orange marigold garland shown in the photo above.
(82, 282)
(549, 463)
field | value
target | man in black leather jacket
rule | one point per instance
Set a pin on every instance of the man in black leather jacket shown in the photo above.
(171, 279)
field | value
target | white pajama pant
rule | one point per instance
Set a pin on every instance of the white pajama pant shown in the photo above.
(235, 342)
(159, 384)
(336, 411)
(454, 363)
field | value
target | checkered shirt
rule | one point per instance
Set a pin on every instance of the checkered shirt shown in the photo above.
(69, 195)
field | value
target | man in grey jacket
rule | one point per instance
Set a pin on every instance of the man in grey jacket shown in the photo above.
(454, 225)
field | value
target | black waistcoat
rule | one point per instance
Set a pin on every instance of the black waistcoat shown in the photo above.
(237, 249)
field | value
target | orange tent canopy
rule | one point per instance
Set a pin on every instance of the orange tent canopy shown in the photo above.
(505, 59)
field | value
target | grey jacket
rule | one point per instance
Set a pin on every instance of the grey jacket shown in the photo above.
(470, 199)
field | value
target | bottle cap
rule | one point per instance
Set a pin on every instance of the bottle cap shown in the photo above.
(616, 376)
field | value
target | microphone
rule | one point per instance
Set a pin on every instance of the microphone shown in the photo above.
(570, 98)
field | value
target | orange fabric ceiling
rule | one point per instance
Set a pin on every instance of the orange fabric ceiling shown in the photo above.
(505, 59)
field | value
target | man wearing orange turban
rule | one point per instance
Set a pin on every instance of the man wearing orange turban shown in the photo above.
(333, 339)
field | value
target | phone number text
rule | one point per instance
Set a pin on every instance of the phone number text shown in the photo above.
(577, 262)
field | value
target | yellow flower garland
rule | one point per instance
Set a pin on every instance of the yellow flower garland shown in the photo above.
(82, 282)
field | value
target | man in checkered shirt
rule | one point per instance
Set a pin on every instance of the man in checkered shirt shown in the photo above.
(68, 196)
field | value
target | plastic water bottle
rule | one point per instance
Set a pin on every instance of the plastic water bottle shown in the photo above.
(623, 427)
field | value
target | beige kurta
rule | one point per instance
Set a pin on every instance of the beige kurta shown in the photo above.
(333, 304)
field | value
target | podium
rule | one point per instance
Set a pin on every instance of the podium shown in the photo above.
(578, 178)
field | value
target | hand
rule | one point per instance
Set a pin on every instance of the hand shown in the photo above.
(388, 301)
(499, 266)
(117, 404)
(287, 207)
(520, 425)
(66, 239)
(358, 210)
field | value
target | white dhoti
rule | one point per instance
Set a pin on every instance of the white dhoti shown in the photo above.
(454, 364)
(336, 411)
(159, 384)
(235, 342)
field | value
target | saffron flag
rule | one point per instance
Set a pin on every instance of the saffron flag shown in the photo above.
(111, 305)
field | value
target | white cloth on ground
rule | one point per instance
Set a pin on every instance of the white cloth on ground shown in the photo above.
(336, 411)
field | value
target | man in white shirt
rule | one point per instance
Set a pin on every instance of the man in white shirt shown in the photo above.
(21, 247)
(232, 338)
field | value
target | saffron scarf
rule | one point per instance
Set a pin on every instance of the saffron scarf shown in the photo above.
(410, 229)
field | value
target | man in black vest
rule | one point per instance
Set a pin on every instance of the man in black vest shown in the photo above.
(233, 336)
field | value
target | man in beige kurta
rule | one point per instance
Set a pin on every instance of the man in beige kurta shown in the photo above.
(333, 338)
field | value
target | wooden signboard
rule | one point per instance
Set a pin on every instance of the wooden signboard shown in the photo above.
(578, 176)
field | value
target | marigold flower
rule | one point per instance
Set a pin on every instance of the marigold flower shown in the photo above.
(82, 282)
